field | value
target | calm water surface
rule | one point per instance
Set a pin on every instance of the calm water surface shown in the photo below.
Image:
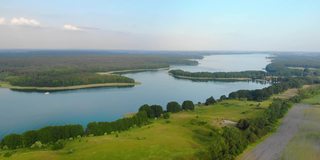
(22, 111)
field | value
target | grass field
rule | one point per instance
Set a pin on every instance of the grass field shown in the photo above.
(176, 138)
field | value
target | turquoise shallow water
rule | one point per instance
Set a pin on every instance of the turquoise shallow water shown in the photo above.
(22, 111)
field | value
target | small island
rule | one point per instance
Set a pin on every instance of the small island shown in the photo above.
(57, 82)
(219, 76)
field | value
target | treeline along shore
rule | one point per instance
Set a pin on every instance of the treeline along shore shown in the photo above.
(282, 66)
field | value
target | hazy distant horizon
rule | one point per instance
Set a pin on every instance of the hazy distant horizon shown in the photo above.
(134, 51)
(187, 25)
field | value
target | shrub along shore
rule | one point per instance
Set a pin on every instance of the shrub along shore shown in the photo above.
(225, 143)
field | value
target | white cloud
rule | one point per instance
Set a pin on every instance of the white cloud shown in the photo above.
(71, 27)
(24, 22)
(2, 20)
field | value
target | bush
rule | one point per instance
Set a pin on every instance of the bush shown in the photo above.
(29, 138)
(218, 148)
(58, 145)
(243, 124)
(146, 108)
(188, 105)
(166, 115)
(223, 97)
(173, 107)
(210, 100)
(235, 140)
(156, 111)
(153, 111)
(37, 145)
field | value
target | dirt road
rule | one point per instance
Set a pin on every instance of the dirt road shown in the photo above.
(273, 146)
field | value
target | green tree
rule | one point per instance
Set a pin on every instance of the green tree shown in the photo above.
(243, 124)
(156, 111)
(147, 109)
(223, 97)
(173, 107)
(218, 149)
(210, 100)
(12, 141)
(166, 115)
(235, 140)
(188, 105)
(29, 138)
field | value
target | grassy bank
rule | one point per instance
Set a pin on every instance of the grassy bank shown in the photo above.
(179, 137)
(45, 89)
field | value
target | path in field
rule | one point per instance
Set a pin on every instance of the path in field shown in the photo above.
(273, 146)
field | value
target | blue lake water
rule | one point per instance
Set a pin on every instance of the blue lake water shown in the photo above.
(20, 111)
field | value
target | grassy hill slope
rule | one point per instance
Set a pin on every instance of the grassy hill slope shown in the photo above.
(181, 136)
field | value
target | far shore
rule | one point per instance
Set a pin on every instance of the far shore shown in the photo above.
(210, 78)
(99, 85)
(44, 89)
(132, 71)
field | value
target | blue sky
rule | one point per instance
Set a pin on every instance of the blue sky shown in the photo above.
(290, 25)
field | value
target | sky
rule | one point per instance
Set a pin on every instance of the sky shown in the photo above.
(262, 25)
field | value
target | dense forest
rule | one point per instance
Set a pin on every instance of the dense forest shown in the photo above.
(30, 63)
(294, 65)
(282, 65)
(217, 75)
(64, 78)
(56, 69)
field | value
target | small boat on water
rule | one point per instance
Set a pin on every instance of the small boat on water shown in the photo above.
(47, 93)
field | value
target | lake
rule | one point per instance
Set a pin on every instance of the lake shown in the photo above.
(22, 111)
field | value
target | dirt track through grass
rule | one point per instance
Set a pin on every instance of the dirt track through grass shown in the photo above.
(273, 146)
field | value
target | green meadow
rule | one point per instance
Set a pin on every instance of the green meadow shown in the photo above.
(182, 136)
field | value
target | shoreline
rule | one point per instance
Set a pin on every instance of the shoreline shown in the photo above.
(132, 71)
(65, 88)
(209, 78)
(4, 84)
